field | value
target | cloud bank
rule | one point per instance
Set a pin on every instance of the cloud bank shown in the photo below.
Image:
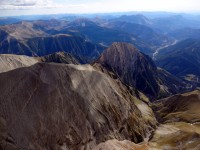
(10, 7)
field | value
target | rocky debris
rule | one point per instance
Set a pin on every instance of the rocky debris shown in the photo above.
(121, 145)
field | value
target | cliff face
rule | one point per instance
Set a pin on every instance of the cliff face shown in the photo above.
(58, 106)
(133, 67)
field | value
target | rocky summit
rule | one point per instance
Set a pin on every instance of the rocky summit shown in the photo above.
(138, 70)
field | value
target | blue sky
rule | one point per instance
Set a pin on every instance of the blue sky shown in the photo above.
(27, 7)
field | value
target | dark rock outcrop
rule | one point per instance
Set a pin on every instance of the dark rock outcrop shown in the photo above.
(60, 57)
(138, 70)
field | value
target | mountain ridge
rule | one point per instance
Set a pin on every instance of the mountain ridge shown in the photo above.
(138, 70)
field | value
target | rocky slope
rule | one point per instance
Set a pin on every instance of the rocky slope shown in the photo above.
(10, 62)
(59, 106)
(138, 70)
(121, 145)
(22, 30)
(180, 128)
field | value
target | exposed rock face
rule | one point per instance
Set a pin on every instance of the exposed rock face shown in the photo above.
(62, 42)
(58, 106)
(138, 70)
(180, 118)
(60, 57)
(133, 67)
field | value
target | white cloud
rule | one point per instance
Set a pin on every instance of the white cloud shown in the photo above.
(26, 4)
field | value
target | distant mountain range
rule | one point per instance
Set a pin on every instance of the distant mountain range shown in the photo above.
(185, 33)
(182, 59)
(174, 22)
(8, 20)
(26, 39)
(103, 33)
(138, 19)
(145, 33)
(163, 24)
